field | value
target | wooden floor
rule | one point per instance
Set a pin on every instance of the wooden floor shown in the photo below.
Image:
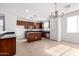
(46, 47)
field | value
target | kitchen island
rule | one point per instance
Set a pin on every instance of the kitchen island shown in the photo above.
(7, 43)
(35, 34)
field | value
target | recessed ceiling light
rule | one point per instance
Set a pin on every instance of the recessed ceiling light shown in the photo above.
(27, 10)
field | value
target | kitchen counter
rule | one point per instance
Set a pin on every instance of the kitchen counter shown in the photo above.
(44, 32)
(7, 43)
(37, 30)
(2, 32)
(33, 36)
(6, 34)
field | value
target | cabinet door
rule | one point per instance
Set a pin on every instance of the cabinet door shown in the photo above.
(11, 46)
(33, 37)
(30, 37)
(38, 26)
(3, 47)
(8, 46)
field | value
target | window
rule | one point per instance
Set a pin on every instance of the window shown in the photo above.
(46, 25)
(73, 24)
(2, 26)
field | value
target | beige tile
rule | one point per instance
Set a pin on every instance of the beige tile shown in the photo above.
(46, 47)
(72, 52)
(58, 50)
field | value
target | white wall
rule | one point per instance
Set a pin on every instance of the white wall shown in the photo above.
(72, 37)
(10, 22)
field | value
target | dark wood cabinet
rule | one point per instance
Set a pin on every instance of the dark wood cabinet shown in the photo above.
(27, 24)
(46, 34)
(33, 36)
(7, 46)
(38, 26)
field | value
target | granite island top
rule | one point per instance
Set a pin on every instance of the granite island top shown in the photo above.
(6, 34)
(37, 30)
(2, 32)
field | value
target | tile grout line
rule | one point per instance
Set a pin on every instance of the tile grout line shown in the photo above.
(65, 52)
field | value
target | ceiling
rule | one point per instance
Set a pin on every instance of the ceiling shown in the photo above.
(39, 10)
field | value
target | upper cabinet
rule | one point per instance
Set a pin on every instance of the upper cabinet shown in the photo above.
(29, 25)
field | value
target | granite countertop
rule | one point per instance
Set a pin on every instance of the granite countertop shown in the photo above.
(2, 32)
(6, 34)
(33, 32)
(37, 30)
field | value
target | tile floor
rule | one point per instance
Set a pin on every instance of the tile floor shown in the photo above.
(46, 47)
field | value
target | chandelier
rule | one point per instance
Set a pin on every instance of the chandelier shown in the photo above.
(56, 13)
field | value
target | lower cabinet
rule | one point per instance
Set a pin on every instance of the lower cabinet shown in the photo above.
(7, 47)
(46, 35)
(33, 36)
